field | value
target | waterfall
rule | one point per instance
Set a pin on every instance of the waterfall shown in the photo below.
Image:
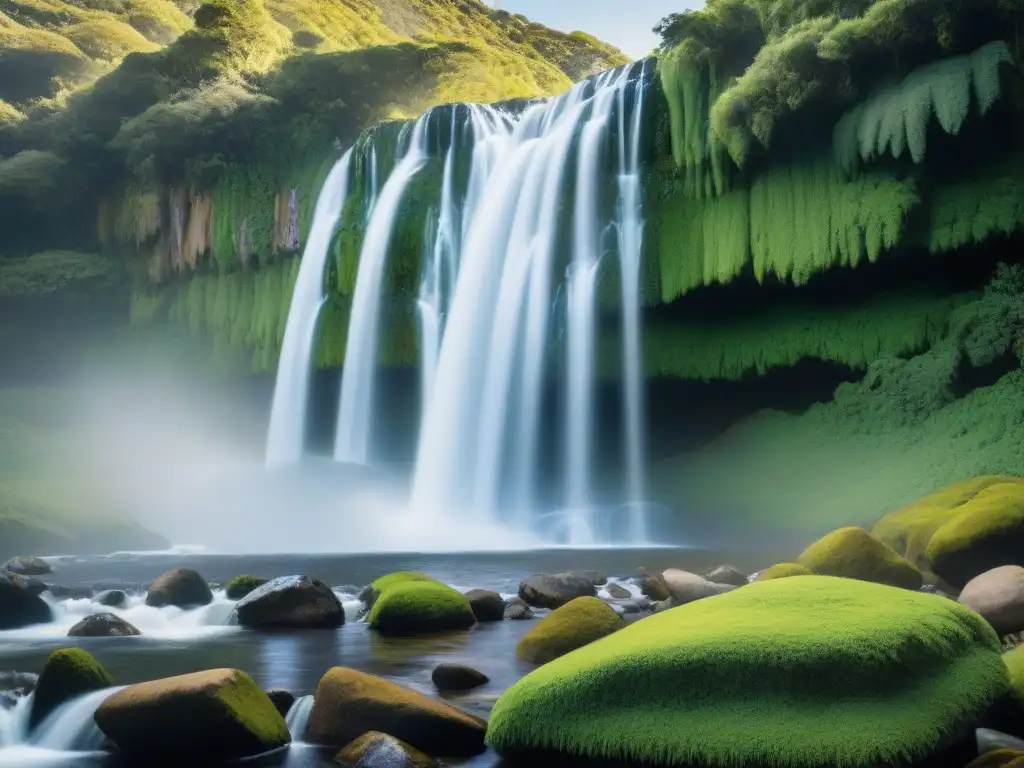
(486, 393)
(14, 722)
(291, 391)
(298, 717)
(630, 242)
(70, 727)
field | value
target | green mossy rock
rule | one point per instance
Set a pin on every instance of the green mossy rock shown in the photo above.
(577, 623)
(737, 679)
(348, 703)
(218, 714)
(853, 553)
(372, 592)
(909, 529)
(987, 532)
(67, 674)
(420, 607)
(1014, 661)
(783, 571)
(240, 586)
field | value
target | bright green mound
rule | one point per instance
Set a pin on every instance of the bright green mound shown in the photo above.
(418, 607)
(783, 571)
(853, 553)
(402, 577)
(742, 679)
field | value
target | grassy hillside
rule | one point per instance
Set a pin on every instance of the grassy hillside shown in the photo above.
(49, 48)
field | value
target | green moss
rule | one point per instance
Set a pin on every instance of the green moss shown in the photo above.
(575, 624)
(250, 706)
(733, 680)
(415, 606)
(67, 674)
(240, 586)
(908, 529)
(402, 577)
(1014, 661)
(56, 274)
(30, 173)
(783, 571)
(854, 553)
(737, 344)
(987, 531)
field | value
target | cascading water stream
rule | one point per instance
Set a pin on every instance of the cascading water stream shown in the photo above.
(298, 717)
(352, 437)
(630, 230)
(69, 728)
(291, 391)
(507, 258)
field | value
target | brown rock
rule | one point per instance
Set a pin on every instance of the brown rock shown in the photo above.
(685, 587)
(379, 750)
(998, 595)
(547, 590)
(726, 574)
(617, 592)
(457, 677)
(348, 703)
(219, 714)
(182, 587)
(103, 625)
(652, 585)
(486, 605)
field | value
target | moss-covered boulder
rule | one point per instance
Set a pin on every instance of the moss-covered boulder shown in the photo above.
(103, 625)
(218, 714)
(348, 703)
(486, 605)
(291, 602)
(26, 565)
(372, 592)
(379, 750)
(987, 532)
(19, 606)
(783, 571)
(553, 590)
(1014, 661)
(240, 586)
(736, 680)
(853, 553)
(181, 587)
(577, 623)
(909, 529)
(67, 674)
(420, 607)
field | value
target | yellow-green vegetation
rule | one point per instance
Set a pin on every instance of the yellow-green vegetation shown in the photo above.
(1014, 661)
(575, 624)
(401, 577)
(853, 553)
(783, 571)
(733, 680)
(409, 607)
(740, 342)
(906, 429)
(58, 274)
(909, 529)
(240, 586)
(67, 674)
(986, 532)
(999, 758)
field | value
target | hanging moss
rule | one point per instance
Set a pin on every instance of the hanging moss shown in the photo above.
(243, 215)
(891, 324)
(896, 118)
(805, 219)
(989, 202)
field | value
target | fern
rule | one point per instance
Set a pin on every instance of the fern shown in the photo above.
(897, 116)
